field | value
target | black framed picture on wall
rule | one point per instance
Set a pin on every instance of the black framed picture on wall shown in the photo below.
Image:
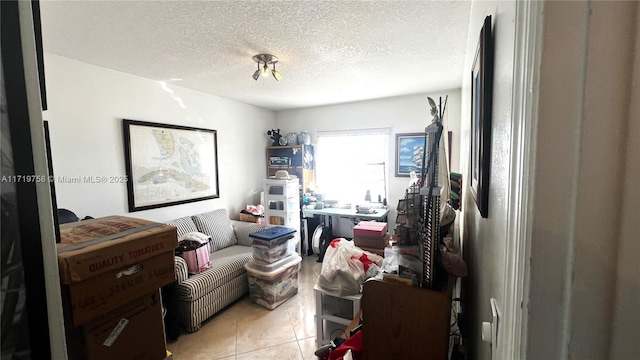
(169, 164)
(409, 153)
(481, 98)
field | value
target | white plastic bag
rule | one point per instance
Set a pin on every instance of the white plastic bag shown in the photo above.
(345, 267)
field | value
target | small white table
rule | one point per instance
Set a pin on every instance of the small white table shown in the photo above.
(333, 312)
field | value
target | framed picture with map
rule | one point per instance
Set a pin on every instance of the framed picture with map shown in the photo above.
(169, 164)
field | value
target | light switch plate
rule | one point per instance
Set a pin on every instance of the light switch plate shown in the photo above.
(495, 321)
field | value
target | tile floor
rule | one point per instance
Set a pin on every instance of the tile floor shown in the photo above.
(246, 331)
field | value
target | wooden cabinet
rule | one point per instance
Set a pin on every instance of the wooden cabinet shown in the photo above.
(296, 159)
(404, 322)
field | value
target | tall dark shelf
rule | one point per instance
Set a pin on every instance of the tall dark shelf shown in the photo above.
(296, 159)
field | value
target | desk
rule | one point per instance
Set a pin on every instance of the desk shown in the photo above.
(327, 222)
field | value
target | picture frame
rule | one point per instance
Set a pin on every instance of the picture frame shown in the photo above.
(481, 99)
(409, 150)
(168, 165)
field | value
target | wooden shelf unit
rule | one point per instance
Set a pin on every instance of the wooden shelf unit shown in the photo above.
(296, 159)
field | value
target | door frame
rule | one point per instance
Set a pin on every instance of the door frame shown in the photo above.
(512, 337)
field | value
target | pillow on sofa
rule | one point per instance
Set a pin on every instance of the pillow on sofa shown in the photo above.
(184, 225)
(217, 225)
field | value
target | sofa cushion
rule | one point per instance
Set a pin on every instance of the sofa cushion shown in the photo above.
(184, 225)
(217, 225)
(244, 229)
(226, 264)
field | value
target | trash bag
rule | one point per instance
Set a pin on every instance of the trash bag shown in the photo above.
(345, 267)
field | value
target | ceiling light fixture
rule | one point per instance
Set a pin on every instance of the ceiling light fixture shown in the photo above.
(266, 60)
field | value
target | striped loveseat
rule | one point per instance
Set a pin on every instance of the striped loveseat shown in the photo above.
(202, 295)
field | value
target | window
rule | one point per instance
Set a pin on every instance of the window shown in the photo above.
(348, 163)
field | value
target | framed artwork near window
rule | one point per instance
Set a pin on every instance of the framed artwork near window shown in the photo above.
(409, 152)
(481, 97)
(169, 164)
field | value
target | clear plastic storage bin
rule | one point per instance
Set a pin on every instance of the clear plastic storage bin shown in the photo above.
(271, 284)
(270, 251)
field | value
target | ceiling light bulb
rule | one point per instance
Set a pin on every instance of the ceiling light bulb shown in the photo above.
(265, 70)
(276, 74)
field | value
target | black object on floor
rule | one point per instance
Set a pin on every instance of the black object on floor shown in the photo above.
(170, 301)
(312, 223)
(324, 243)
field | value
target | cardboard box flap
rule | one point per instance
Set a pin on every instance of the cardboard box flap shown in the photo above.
(77, 235)
(92, 247)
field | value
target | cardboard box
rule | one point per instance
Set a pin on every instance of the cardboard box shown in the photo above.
(378, 242)
(132, 331)
(105, 263)
(373, 250)
(370, 229)
(85, 300)
(92, 247)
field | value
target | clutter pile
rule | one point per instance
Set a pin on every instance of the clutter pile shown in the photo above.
(253, 213)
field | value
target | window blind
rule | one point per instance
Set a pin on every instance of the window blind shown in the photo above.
(348, 163)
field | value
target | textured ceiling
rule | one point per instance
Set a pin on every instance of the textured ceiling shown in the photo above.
(330, 51)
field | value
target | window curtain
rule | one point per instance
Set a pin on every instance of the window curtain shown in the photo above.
(348, 163)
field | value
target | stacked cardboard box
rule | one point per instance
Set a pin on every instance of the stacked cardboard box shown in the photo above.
(371, 236)
(110, 271)
(132, 331)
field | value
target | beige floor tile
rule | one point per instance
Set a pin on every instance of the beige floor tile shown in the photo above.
(308, 348)
(287, 351)
(261, 330)
(245, 330)
(302, 298)
(216, 339)
(248, 312)
(301, 308)
(302, 319)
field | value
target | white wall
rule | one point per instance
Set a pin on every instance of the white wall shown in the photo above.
(583, 274)
(403, 114)
(583, 291)
(484, 240)
(626, 322)
(86, 107)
